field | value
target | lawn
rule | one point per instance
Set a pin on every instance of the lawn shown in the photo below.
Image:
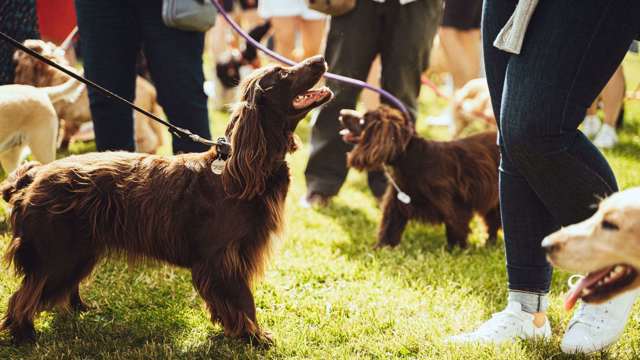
(327, 294)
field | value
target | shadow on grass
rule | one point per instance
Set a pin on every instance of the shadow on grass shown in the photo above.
(130, 318)
(421, 255)
(361, 229)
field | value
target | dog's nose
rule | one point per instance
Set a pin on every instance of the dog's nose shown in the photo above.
(317, 61)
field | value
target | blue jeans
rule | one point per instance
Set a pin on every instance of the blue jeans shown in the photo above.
(551, 175)
(113, 32)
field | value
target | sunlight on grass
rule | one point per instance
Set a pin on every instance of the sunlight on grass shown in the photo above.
(326, 294)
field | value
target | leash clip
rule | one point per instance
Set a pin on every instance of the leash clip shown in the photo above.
(223, 150)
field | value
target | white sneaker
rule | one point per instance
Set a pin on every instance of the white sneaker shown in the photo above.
(591, 125)
(509, 324)
(606, 138)
(596, 327)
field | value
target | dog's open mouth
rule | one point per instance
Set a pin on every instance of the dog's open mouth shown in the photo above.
(352, 124)
(349, 137)
(601, 285)
(312, 98)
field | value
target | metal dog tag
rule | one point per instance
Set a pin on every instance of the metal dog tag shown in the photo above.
(217, 166)
(404, 198)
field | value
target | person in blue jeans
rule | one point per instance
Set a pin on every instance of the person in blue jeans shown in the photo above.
(113, 32)
(551, 175)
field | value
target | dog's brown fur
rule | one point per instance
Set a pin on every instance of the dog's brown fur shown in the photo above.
(447, 181)
(70, 213)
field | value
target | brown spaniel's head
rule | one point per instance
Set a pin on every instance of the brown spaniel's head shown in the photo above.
(273, 101)
(379, 136)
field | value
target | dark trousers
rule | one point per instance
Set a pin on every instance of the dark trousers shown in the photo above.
(113, 32)
(17, 19)
(551, 175)
(402, 35)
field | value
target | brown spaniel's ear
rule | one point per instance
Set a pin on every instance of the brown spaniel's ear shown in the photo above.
(247, 167)
(381, 141)
(372, 150)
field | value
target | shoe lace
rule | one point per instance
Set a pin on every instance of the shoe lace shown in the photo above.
(499, 322)
(587, 314)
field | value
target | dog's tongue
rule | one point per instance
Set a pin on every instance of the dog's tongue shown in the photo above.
(348, 136)
(585, 282)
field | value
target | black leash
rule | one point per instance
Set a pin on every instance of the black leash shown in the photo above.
(175, 130)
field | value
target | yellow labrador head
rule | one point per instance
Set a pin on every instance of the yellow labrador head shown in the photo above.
(605, 246)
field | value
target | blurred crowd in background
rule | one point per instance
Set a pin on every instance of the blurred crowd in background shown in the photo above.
(397, 45)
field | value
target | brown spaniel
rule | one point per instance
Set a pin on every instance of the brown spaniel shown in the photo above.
(441, 182)
(186, 210)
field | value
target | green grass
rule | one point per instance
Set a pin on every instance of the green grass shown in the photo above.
(327, 294)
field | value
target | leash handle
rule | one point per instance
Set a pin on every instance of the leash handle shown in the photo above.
(362, 84)
(175, 130)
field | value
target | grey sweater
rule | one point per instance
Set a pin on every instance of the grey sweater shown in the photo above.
(511, 36)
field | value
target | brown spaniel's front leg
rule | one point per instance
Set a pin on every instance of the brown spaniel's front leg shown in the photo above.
(393, 222)
(230, 301)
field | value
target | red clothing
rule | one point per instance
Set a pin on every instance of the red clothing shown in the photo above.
(56, 18)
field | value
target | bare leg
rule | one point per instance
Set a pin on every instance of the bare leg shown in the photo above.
(284, 32)
(471, 41)
(371, 99)
(613, 97)
(462, 54)
(312, 32)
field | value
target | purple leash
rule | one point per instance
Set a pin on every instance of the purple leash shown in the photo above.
(289, 62)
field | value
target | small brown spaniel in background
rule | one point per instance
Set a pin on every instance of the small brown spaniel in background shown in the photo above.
(447, 181)
(69, 214)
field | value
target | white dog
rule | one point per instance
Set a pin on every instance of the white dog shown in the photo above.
(28, 118)
(606, 246)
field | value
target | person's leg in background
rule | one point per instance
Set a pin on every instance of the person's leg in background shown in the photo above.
(352, 44)
(460, 39)
(284, 34)
(18, 20)
(175, 63)
(406, 39)
(612, 102)
(370, 99)
(110, 44)
(312, 31)
(549, 167)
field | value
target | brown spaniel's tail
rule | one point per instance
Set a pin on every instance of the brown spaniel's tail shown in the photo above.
(18, 180)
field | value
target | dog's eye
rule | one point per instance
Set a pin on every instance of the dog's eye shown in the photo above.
(608, 225)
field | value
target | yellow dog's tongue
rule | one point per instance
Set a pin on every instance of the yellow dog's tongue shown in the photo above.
(576, 292)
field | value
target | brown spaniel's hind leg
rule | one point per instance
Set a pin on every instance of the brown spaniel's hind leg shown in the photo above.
(230, 301)
(458, 228)
(75, 301)
(493, 222)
